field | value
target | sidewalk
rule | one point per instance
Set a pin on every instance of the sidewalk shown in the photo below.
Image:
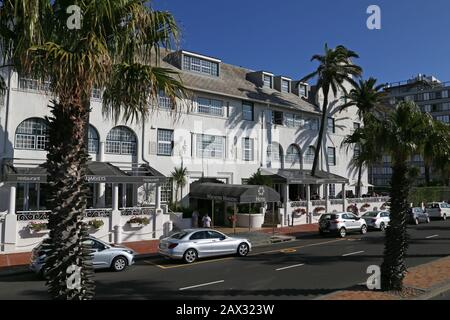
(421, 283)
(151, 246)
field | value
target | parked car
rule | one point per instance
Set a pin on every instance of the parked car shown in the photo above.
(341, 223)
(105, 256)
(377, 219)
(192, 244)
(416, 215)
(439, 210)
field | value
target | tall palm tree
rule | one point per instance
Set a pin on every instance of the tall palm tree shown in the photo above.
(368, 98)
(179, 177)
(436, 150)
(398, 134)
(117, 47)
(334, 70)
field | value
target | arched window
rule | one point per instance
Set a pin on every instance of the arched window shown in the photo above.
(32, 134)
(309, 155)
(92, 140)
(293, 155)
(274, 153)
(121, 140)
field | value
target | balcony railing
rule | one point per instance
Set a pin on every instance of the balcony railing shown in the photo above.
(137, 211)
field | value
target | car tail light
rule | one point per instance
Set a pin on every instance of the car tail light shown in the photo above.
(172, 245)
(335, 221)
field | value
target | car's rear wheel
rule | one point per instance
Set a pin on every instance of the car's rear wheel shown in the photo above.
(416, 221)
(243, 250)
(444, 217)
(190, 256)
(342, 232)
(119, 264)
(364, 229)
(382, 226)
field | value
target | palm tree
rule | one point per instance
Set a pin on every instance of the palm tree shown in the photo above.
(117, 47)
(436, 150)
(179, 177)
(368, 98)
(398, 134)
(334, 70)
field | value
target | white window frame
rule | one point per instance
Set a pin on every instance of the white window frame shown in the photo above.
(248, 149)
(163, 143)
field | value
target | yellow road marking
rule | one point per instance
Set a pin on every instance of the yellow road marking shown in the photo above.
(298, 247)
(288, 250)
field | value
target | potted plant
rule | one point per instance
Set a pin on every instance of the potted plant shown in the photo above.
(138, 222)
(299, 212)
(95, 224)
(318, 210)
(37, 227)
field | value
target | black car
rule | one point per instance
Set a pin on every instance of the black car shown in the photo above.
(417, 215)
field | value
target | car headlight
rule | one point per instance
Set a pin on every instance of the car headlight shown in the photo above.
(129, 251)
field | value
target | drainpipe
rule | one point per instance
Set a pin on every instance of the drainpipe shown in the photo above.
(8, 90)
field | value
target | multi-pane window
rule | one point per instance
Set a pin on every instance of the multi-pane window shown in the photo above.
(121, 140)
(331, 156)
(444, 119)
(293, 155)
(357, 150)
(166, 191)
(285, 84)
(32, 134)
(356, 126)
(312, 124)
(444, 94)
(210, 106)
(267, 81)
(164, 102)
(2, 99)
(292, 120)
(200, 65)
(309, 155)
(274, 152)
(97, 93)
(247, 149)
(165, 142)
(332, 190)
(29, 84)
(277, 117)
(92, 140)
(302, 90)
(426, 108)
(331, 125)
(209, 146)
(247, 111)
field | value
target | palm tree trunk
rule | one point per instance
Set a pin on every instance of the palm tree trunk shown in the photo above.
(427, 174)
(69, 263)
(358, 187)
(321, 131)
(393, 269)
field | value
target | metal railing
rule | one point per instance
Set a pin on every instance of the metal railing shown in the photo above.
(137, 211)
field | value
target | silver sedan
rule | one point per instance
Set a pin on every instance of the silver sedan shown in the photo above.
(191, 244)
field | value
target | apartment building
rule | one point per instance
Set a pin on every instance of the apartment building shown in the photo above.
(432, 96)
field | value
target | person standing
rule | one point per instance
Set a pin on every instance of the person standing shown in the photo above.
(206, 221)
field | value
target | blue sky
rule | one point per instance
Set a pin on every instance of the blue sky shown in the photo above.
(281, 36)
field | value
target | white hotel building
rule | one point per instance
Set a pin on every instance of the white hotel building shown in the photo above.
(235, 121)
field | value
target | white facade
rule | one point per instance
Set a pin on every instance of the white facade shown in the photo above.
(225, 162)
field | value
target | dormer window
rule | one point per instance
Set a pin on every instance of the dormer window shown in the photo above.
(285, 86)
(268, 81)
(202, 65)
(303, 90)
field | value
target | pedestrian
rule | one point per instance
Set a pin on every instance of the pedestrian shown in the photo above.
(206, 221)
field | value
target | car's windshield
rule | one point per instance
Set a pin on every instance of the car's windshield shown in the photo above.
(328, 217)
(433, 206)
(371, 214)
(178, 235)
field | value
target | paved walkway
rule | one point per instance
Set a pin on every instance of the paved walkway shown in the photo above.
(421, 282)
(256, 236)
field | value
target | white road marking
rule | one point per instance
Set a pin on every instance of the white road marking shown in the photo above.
(201, 285)
(294, 266)
(350, 254)
(433, 236)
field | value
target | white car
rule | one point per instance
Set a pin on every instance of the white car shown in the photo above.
(439, 210)
(341, 223)
(377, 219)
(191, 244)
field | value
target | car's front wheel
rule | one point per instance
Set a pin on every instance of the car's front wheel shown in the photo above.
(342, 232)
(364, 229)
(190, 256)
(243, 250)
(444, 217)
(382, 227)
(119, 264)
(416, 221)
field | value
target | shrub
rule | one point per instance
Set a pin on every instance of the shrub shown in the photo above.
(141, 220)
(37, 226)
(96, 224)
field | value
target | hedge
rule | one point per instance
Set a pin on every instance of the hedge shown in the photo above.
(429, 194)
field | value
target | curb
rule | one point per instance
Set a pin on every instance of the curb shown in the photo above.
(434, 292)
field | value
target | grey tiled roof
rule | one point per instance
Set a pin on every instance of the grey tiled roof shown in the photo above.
(232, 82)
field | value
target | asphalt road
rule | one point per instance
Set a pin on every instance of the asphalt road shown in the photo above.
(301, 269)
